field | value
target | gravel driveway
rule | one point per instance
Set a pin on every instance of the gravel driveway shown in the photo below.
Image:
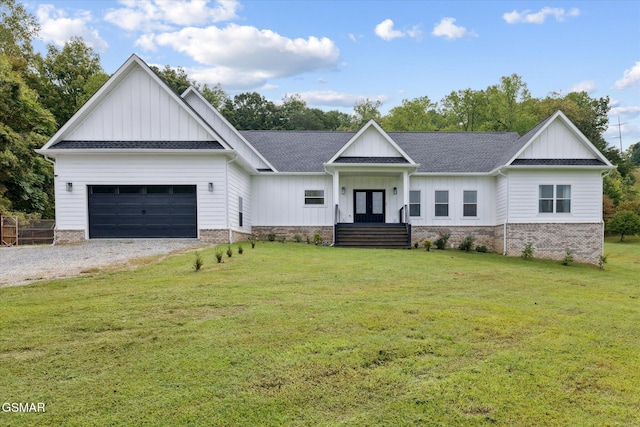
(21, 265)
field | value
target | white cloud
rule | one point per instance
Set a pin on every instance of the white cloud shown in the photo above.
(626, 112)
(337, 99)
(57, 28)
(529, 17)
(146, 42)
(163, 15)
(584, 86)
(630, 78)
(448, 29)
(385, 30)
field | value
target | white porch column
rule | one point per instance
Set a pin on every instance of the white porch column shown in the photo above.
(405, 186)
(336, 194)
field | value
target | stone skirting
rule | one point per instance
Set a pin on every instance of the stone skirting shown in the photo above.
(214, 236)
(62, 237)
(551, 241)
(239, 237)
(485, 235)
(289, 232)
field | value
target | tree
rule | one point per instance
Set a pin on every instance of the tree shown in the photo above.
(176, 78)
(215, 95)
(251, 111)
(634, 154)
(17, 31)
(69, 77)
(364, 111)
(625, 223)
(465, 109)
(418, 114)
(507, 106)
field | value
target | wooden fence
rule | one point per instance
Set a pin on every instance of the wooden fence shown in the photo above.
(14, 231)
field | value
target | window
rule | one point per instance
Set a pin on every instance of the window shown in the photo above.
(442, 203)
(558, 201)
(470, 203)
(314, 197)
(414, 203)
(240, 211)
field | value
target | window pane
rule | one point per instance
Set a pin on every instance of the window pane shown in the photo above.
(414, 209)
(546, 191)
(377, 202)
(361, 202)
(103, 189)
(442, 197)
(470, 196)
(314, 201)
(470, 210)
(130, 189)
(546, 206)
(184, 189)
(563, 191)
(313, 193)
(158, 189)
(442, 210)
(240, 204)
(563, 205)
(414, 196)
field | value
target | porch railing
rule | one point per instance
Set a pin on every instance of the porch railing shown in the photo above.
(403, 216)
(336, 219)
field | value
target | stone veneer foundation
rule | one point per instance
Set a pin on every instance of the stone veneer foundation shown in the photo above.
(68, 236)
(262, 232)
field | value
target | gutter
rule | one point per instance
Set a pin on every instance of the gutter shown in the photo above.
(504, 229)
(226, 173)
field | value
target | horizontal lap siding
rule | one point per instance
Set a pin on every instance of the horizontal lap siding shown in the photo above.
(586, 196)
(85, 170)
(485, 186)
(279, 200)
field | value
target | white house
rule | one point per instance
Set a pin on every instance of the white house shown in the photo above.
(137, 161)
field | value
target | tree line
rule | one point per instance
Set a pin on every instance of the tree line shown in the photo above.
(40, 92)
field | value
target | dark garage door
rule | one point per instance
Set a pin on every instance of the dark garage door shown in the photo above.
(142, 211)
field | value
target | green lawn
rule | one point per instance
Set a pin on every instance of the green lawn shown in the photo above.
(292, 334)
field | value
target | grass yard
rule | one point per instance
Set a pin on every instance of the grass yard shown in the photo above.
(292, 334)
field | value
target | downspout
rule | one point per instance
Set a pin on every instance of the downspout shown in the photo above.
(226, 174)
(506, 219)
(55, 181)
(604, 175)
(336, 211)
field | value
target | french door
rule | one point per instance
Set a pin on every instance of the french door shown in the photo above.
(368, 205)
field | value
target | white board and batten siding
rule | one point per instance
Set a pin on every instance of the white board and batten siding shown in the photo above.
(371, 143)
(392, 202)
(239, 186)
(279, 200)
(139, 109)
(586, 196)
(428, 185)
(225, 130)
(556, 141)
(83, 170)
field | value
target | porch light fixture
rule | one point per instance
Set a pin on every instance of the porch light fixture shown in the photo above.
(69, 186)
(395, 190)
(343, 190)
(211, 186)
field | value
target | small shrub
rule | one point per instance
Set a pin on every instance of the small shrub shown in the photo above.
(198, 262)
(602, 261)
(229, 252)
(219, 255)
(416, 245)
(481, 248)
(467, 243)
(427, 245)
(297, 238)
(240, 250)
(441, 241)
(317, 239)
(253, 242)
(271, 237)
(282, 239)
(308, 240)
(527, 252)
(568, 257)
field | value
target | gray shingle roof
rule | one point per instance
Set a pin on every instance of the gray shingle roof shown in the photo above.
(436, 152)
(378, 160)
(146, 145)
(557, 162)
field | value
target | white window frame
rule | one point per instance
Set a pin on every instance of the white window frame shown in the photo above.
(465, 203)
(319, 196)
(554, 200)
(435, 204)
(418, 203)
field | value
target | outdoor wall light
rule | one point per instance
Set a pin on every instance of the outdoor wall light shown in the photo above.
(211, 186)
(343, 190)
(395, 190)
(69, 186)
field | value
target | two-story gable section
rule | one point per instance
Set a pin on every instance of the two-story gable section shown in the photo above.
(138, 160)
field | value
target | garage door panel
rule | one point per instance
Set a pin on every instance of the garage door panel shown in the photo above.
(142, 211)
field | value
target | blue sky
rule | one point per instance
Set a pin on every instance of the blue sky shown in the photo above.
(336, 53)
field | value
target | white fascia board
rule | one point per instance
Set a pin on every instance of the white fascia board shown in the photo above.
(453, 174)
(559, 167)
(54, 152)
(291, 173)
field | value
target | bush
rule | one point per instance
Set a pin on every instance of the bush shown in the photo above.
(527, 252)
(317, 239)
(427, 245)
(198, 262)
(297, 238)
(602, 261)
(240, 250)
(441, 241)
(229, 252)
(271, 237)
(253, 242)
(568, 257)
(467, 243)
(282, 239)
(219, 255)
(625, 223)
(416, 245)
(483, 249)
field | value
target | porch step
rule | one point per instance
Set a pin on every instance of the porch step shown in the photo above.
(391, 236)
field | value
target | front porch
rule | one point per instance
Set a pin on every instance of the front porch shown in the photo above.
(373, 235)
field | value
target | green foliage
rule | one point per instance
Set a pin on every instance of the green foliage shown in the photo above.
(634, 154)
(229, 252)
(481, 248)
(527, 252)
(418, 114)
(441, 241)
(366, 110)
(624, 223)
(219, 254)
(317, 239)
(602, 260)
(198, 262)
(240, 249)
(568, 257)
(282, 239)
(252, 240)
(176, 78)
(297, 238)
(467, 243)
(271, 237)
(427, 245)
